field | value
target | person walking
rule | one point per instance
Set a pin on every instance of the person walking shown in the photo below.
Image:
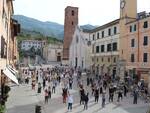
(70, 102)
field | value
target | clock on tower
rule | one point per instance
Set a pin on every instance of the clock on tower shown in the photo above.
(122, 4)
(128, 8)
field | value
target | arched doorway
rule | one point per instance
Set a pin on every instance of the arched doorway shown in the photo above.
(58, 57)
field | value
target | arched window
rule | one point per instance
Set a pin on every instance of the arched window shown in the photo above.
(77, 39)
(72, 12)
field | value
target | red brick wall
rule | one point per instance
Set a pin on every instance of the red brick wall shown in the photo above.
(71, 21)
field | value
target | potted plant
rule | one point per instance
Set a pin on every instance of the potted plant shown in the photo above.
(2, 108)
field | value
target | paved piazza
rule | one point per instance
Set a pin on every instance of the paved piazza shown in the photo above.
(23, 100)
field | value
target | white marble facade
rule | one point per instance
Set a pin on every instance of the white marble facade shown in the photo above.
(79, 51)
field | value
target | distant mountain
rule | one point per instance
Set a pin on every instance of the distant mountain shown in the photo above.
(87, 27)
(33, 26)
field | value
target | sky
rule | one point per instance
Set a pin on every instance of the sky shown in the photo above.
(94, 12)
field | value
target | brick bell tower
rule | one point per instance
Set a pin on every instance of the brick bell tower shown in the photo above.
(71, 21)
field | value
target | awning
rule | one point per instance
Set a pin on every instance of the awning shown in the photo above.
(12, 70)
(10, 75)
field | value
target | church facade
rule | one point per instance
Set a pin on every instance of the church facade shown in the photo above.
(79, 51)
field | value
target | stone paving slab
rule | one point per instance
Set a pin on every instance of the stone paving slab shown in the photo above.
(23, 100)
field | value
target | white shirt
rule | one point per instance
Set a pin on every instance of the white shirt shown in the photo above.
(70, 99)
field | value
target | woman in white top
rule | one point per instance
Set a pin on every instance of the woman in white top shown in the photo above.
(70, 102)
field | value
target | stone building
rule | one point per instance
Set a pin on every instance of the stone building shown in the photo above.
(79, 52)
(134, 40)
(53, 53)
(71, 21)
(9, 28)
(105, 48)
(28, 44)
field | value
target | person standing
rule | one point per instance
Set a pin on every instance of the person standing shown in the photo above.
(103, 99)
(120, 96)
(96, 95)
(82, 94)
(46, 96)
(64, 94)
(125, 90)
(70, 83)
(88, 81)
(135, 94)
(86, 99)
(70, 102)
(39, 88)
(44, 83)
(54, 86)
(111, 93)
(49, 92)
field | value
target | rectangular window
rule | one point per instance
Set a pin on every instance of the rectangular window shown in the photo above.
(132, 42)
(108, 47)
(145, 43)
(135, 27)
(3, 48)
(132, 58)
(114, 59)
(97, 49)
(97, 60)
(102, 48)
(130, 28)
(102, 34)
(145, 57)
(115, 46)
(145, 24)
(108, 59)
(93, 49)
(109, 32)
(97, 35)
(102, 59)
(115, 30)
(93, 37)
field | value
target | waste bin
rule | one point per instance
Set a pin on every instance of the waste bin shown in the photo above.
(38, 109)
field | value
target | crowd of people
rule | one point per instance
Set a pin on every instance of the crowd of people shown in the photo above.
(89, 85)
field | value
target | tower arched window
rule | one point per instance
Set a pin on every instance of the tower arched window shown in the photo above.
(72, 12)
(72, 23)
